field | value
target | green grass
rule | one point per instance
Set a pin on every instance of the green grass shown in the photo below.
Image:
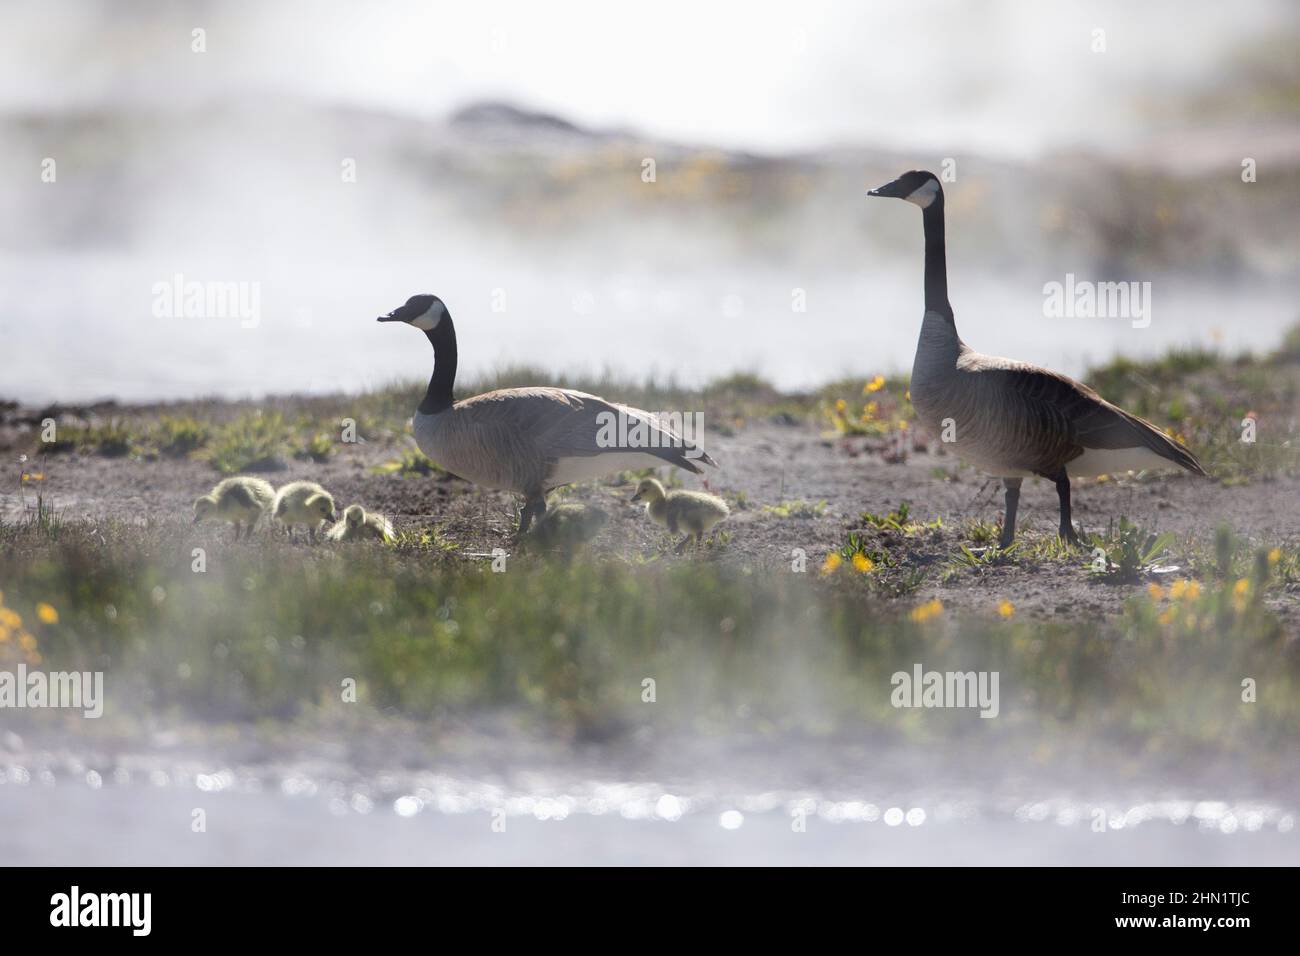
(270, 634)
(254, 441)
(797, 509)
(318, 447)
(411, 462)
(176, 436)
(111, 438)
(900, 520)
(1127, 552)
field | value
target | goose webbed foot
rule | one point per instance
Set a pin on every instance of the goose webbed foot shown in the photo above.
(1069, 536)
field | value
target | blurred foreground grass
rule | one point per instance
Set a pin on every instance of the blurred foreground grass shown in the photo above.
(272, 633)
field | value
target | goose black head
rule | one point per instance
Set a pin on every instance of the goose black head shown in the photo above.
(920, 187)
(422, 311)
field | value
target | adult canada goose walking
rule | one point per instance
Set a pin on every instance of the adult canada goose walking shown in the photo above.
(1008, 418)
(530, 440)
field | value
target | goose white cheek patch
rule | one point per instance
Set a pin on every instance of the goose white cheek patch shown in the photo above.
(429, 321)
(924, 195)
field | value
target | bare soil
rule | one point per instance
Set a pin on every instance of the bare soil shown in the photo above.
(763, 463)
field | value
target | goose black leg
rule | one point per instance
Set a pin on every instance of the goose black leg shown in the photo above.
(1067, 526)
(1012, 485)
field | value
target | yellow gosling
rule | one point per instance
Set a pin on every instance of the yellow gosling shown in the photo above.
(304, 503)
(237, 500)
(361, 525)
(693, 513)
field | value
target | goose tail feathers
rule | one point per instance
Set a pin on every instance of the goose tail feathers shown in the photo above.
(1167, 447)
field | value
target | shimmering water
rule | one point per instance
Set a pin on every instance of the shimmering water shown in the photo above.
(62, 810)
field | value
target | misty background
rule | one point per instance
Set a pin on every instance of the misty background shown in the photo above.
(498, 154)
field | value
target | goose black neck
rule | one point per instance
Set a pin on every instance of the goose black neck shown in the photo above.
(936, 260)
(443, 339)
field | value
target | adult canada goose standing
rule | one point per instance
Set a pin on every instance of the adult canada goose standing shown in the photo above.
(530, 440)
(1008, 418)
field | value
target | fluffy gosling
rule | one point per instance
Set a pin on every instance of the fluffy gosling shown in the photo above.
(236, 500)
(692, 512)
(304, 503)
(566, 527)
(361, 525)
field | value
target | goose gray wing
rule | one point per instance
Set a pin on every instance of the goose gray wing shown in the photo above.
(1056, 419)
(596, 427)
(563, 423)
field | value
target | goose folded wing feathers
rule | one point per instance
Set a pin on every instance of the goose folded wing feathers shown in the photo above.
(1057, 405)
(577, 434)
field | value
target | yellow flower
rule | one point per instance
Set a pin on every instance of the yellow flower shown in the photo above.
(1193, 590)
(46, 613)
(1240, 591)
(840, 405)
(1006, 608)
(902, 425)
(875, 385)
(1275, 556)
(1169, 614)
(832, 562)
(1156, 591)
(26, 641)
(1178, 588)
(862, 562)
(924, 612)
(10, 619)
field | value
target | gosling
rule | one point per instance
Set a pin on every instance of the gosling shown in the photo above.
(361, 525)
(304, 503)
(236, 500)
(692, 512)
(566, 528)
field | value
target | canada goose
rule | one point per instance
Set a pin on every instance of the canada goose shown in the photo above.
(530, 440)
(304, 503)
(358, 524)
(1008, 418)
(236, 500)
(566, 527)
(693, 512)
